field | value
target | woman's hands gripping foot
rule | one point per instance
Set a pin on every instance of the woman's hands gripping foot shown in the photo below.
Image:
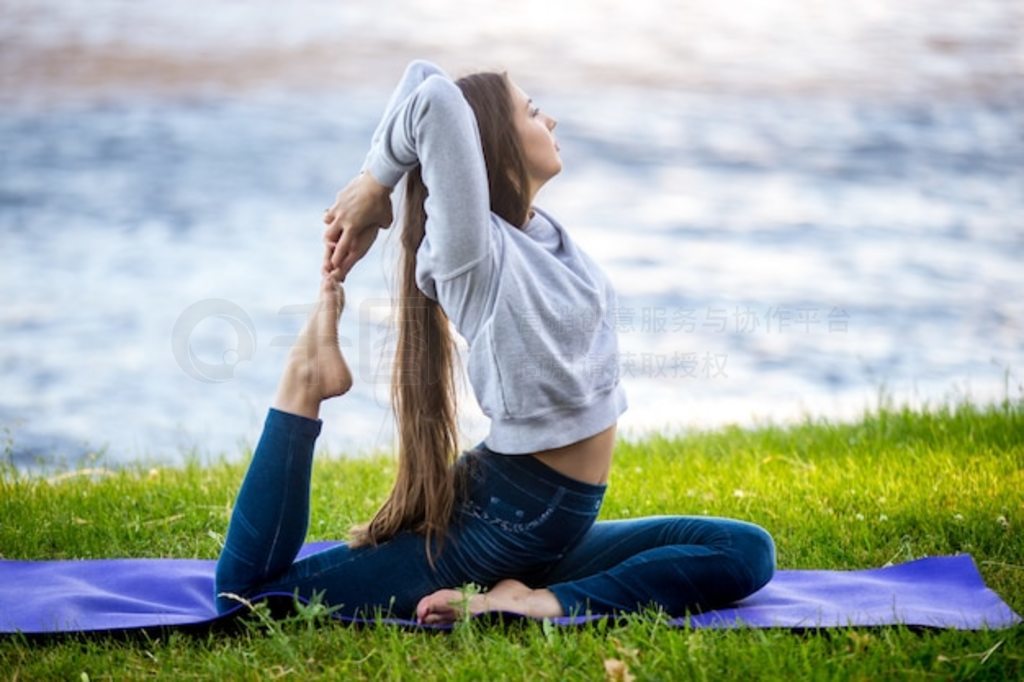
(446, 606)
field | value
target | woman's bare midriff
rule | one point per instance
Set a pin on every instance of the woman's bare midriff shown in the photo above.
(587, 460)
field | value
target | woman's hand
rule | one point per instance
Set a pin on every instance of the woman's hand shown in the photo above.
(359, 211)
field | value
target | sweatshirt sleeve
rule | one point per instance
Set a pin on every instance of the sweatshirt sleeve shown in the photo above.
(417, 72)
(429, 122)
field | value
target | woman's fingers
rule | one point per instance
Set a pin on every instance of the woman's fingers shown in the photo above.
(352, 223)
(350, 260)
(333, 230)
(328, 252)
(343, 249)
(346, 252)
(336, 275)
(350, 249)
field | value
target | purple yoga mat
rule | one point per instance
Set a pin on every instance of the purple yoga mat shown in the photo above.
(38, 597)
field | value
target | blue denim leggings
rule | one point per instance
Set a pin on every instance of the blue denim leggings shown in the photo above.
(518, 518)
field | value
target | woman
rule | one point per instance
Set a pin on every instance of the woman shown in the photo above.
(516, 514)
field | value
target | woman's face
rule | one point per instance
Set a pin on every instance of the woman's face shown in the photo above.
(538, 141)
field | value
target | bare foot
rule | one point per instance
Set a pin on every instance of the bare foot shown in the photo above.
(446, 606)
(316, 369)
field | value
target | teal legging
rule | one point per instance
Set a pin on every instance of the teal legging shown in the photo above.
(518, 519)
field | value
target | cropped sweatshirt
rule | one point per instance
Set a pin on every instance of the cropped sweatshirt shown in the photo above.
(534, 309)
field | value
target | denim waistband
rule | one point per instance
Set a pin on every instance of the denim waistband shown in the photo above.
(530, 473)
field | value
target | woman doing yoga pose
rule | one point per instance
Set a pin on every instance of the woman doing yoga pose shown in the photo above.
(517, 513)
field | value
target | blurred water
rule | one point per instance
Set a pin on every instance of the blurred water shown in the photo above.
(786, 236)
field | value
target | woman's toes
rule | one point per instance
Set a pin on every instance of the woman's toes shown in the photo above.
(513, 596)
(438, 607)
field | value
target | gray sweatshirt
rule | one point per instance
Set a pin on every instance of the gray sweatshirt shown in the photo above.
(536, 312)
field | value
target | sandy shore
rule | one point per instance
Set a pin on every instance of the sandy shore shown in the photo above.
(55, 49)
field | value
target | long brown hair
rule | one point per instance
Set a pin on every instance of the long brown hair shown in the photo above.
(423, 383)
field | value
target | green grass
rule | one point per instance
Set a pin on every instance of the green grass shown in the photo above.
(894, 486)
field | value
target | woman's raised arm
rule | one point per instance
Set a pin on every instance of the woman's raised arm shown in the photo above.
(415, 73)
(435, 127)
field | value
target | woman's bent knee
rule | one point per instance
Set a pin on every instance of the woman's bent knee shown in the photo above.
(754, 551)
(233, 579)
(761, 554)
